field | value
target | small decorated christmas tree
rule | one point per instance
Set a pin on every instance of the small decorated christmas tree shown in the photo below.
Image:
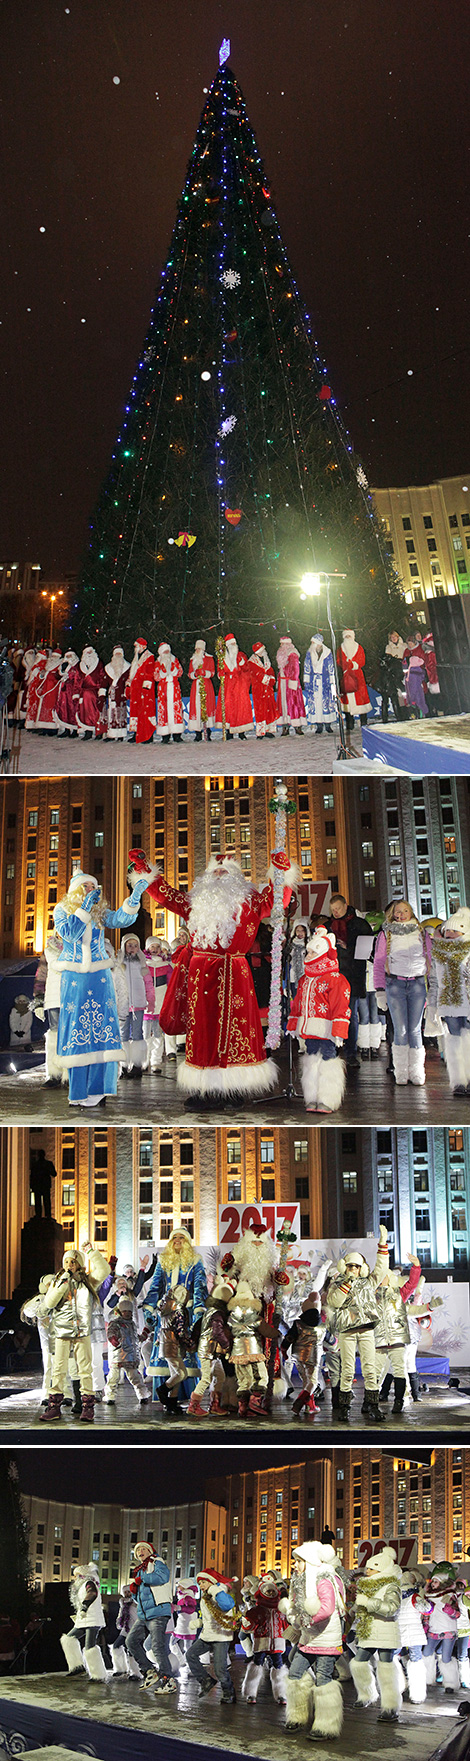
(233, 475)
(15, 1571)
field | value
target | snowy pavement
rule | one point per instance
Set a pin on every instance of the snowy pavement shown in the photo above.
(35, 755)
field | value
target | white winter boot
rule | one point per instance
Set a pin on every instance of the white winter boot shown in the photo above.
(465, 1036)
(363, 1036)
(450, 1676)
(430, 1667)
(299, 1702)
(310, 1076)
(464, 1671)
(364, 1682)
(416, 1066)
(95, 1664)
(375, 1031)
(400, 1060)
(251, 1681)
(416, 1672)
(331, 1085)
(132, 1666)
(55, 1071)
(279, 1680)
(73, 1654)
(119, 1656)
(455, 1061)
(389, 1686)
(328, 1718)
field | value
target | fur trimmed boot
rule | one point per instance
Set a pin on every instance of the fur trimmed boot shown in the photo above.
(464, 1671)
(328, 1718)
(95, 1664)
(454, 1055)
(331, 1085)
(416, 1066)
(298, 1404)
(88, 1409)
(257, 1404)
(310, 1077)
(195, 1409)
(390, 1692)
(400, 1060)
(430, 1668)
(251, 1681)
(371, 1408)
(364, 1682)
(119, 1657)
(450, 1676)
(416, 1673)
(299, 1697)
(279, 1680)
(132, 1666)
(52, 1410)
(73, 1654)
(217, 1411)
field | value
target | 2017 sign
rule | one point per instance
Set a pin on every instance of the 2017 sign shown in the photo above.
(405, 1549)
(234, 1218)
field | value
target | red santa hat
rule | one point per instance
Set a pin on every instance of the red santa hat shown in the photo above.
(258, 648)
(140, 642)
(215, 1577)
(164, 648)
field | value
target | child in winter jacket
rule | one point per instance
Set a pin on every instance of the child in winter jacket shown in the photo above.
(218, 1616)
(124, 1352)
(320, 1015)
(448, 1000)
(302, 1337)
(151, 1585)
(159, 966)
(263, 1619)
(315, 1610)
(215, 1343)
(138, 994)
(21, 1021)
(378, 1602)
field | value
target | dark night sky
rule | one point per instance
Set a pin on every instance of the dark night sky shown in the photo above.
(360, 108)
(128, 1476)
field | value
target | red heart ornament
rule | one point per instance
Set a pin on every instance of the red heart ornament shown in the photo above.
(231, 336)
(325, 394)
(233, 515)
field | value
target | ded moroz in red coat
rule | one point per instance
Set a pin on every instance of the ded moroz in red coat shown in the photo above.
(35, 679)
(140, 690)
(262, 690)
(211, 995)
(64, 713)
(168, 672)
(238, 713)
(47, 692)
(89, 693)
(351, 660)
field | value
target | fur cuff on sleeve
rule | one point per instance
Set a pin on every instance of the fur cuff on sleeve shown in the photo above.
(291, 876)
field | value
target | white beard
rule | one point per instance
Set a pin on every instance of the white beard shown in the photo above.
(256, 1262)
(216, 904)
(231, 655)
(88, 661)
(349, 646)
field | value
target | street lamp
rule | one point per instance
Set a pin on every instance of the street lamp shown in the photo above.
(310, 588)
(52, 599)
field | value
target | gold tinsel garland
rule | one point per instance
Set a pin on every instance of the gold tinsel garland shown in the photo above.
(225, 1621)
(451, 955)
(366, 1616)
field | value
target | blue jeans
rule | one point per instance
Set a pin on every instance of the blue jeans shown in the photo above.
(135, 1643)
(132, 1028)
(367, 1008)
(325, 1046)
(219, 1650)
(406, 998)
(456, 1023)
(324, 1666)
(87, 1636)
(440, 1641)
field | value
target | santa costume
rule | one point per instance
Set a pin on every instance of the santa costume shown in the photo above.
(448, 998)
(27, 661)
(47, 693)
(263, 1620)
(82, 1652)
(320, 686)
(378, 1603)
(236, 676)
(290, 702)
(351, 661)
(117, 671)
(64, 711)
(262, 690)
(34, 680)
(252, 1271)
(211, 995)
(140, 691)
(89, 695)
(320, 1015)
(168, 672)
(315, 1610)
(201, 673)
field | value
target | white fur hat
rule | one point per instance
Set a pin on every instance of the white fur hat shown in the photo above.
(80, 879)
(460, 921)
(384, 1564)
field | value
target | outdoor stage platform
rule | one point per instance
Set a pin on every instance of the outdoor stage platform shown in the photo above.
(436, 748)
(120, 1721)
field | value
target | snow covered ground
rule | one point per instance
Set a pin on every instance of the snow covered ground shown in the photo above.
(35, 755)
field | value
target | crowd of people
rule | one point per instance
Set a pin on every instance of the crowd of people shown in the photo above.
(51, 692)
(344, 986)
(210, 1334)
(385, 1629)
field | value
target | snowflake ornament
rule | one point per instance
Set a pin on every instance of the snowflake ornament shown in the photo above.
(361, 478)
(230, 278)
(227, 425)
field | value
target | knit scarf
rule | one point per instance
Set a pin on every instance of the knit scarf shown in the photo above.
(450, 955)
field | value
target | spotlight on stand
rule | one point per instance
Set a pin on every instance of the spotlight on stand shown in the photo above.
(311, 586)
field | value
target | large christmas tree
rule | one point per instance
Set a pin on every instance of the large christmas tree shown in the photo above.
(233, 474)
(15, 1570)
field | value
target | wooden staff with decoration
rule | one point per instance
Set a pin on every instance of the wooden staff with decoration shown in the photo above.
(281, 807)
(203, 704)
(285, 1238)
(220, 652)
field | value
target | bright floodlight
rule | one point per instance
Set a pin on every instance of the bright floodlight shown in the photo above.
(310, 586)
